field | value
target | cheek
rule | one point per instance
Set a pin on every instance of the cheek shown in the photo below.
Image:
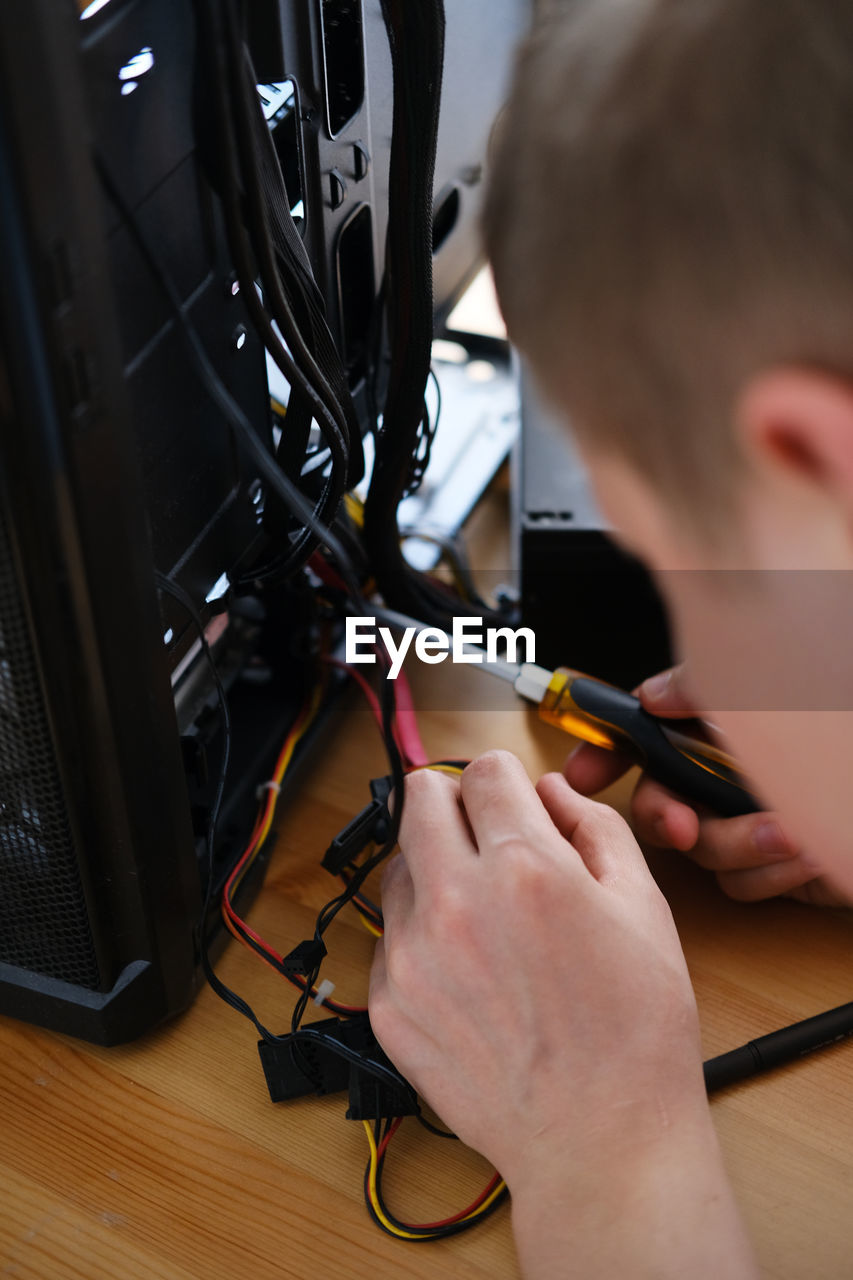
(705, 632)
(773, 641)
(792, 737)
(800, 763)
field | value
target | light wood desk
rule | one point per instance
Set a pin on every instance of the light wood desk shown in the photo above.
(166, 1159)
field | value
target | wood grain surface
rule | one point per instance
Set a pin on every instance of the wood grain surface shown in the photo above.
(166, 1158)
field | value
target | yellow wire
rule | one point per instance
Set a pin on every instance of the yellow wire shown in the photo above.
(371, 1189)
(355, 509)
(374, 1196)
(374, 1154)
(284, 762)
(281, 770)
(439, 768)
(280, 408)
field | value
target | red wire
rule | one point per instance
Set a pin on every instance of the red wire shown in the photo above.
(326, 573)
(235, 923)
(445, 1222)
(365, 687)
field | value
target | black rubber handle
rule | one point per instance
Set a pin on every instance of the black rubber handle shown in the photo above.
(660, 759)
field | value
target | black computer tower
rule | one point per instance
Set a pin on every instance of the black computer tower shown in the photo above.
(116, 464)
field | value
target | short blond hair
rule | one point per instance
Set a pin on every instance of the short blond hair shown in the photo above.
(670, 209)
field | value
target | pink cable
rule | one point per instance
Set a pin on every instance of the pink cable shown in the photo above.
(408, 734)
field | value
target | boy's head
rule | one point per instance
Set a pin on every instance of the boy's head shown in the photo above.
(670, 222)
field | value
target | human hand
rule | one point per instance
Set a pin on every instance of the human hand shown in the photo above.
(531, 986)
(751, 856)
(527, 949)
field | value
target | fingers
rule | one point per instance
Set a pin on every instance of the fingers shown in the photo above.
(662, 819)
(718, 844)
(667, 694)
(434, 835)
(501, 804)
(740, 844)
(755, 883)
(601, 837)
(752, 856)
(591, 769)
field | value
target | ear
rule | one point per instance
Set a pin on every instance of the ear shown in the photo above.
(800, 422)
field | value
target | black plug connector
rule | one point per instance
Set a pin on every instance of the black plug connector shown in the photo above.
(372, 824)
(305, 957)
(295, 1066)
(373, 1099)
(295, 1070)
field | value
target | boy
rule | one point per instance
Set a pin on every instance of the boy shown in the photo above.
(670, 221)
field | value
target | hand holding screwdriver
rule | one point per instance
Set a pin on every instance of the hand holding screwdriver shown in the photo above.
(672, 752)
(752, 856)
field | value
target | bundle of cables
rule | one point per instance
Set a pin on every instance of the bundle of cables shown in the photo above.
(266, 247)
(395, 716)
(268, 252)
(379, 1132)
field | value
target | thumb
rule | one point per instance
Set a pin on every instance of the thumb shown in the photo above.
(667, 695)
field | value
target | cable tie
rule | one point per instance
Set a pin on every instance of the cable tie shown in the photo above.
(272, 785)
(324, 990)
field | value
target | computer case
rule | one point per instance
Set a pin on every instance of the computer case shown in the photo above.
(116, 464)
(591, 606)
(98, 874)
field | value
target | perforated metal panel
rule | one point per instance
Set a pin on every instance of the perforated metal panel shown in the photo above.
(44, 924)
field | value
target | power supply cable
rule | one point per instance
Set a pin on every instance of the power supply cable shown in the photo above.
(416, 41)
(232, 175)
(289, 494)
(222, 398)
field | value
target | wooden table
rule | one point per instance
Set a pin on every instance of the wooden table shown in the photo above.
(166, 1158)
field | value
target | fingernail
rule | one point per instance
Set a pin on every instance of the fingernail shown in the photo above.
(771, 840)
(656, 686)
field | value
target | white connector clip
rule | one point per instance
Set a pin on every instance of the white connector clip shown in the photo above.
(324, 990)
(267, 786)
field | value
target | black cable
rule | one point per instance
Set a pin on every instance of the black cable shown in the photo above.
(416, 40)
(229, 160)
(224, 992)
(413, 1233)
(434, 1128)
(276, 570)
(247, 115)
(225, 402)
(333, 907)
(291, 496)
(425, 439)
(417, 1235)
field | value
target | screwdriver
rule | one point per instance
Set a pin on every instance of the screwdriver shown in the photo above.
(606, 716)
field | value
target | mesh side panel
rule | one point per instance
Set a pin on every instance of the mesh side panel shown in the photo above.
(44, 923)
